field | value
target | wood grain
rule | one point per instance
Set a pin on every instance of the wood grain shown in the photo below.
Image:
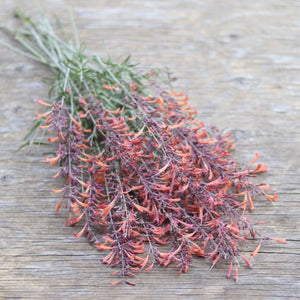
(239, 61)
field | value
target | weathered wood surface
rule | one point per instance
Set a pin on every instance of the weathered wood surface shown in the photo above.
(240, 63)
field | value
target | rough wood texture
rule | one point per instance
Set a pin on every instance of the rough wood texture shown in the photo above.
(240, 63)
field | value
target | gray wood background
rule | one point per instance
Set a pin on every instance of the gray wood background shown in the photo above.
(239, 61)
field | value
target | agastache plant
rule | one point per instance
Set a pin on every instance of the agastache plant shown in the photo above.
(145, 180)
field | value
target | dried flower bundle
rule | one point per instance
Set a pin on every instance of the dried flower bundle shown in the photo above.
(145, 180)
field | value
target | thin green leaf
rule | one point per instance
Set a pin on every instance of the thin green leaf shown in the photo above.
(35, 126)
(126, 59)
(29, 144)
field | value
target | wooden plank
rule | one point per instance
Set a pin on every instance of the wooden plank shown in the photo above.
(240, 64)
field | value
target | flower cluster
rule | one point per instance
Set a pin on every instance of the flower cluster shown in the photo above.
(170, 183)
(144, 178)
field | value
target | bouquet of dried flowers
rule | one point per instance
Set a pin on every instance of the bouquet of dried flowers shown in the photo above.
(145, 180)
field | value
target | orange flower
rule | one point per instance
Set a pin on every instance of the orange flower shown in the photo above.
(272, 197)
(53, 140)
(107, 209)
(256, 250)
(58, 191)
(75, 121)
(254, 159)
(116, 282)
(79, 234)
(52, 161)
(230, 270)
(259, 169)
(110, 87)
(82, 204)
(236, 273)
(82, 101)
(42, 102)
(246, 261)
(279, 240)
(45, 126)
(59, 204)
(39, 116)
